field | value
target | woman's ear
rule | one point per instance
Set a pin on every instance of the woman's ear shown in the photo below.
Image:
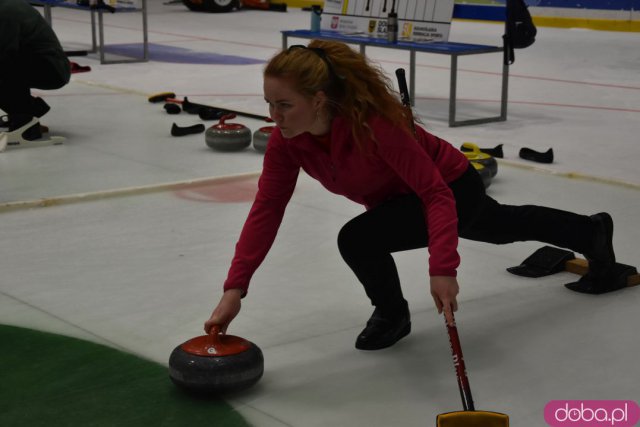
(320, 99)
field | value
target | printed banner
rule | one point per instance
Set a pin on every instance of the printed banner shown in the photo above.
(418, 20)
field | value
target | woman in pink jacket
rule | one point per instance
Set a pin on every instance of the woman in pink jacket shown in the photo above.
(339, 120)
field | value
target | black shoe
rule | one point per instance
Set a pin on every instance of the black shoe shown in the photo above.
(617, 277)
(39, 107)
(382, 332)
(536, 156)
(33, 133)
(186, 130)
(19, 121)
(603, 276)
(601, 256)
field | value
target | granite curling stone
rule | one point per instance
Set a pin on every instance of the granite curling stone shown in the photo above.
(228, 136)
(214, 364)
(484, 159)
(485, 174)
(261, 138)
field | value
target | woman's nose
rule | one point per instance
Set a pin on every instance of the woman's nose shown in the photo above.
(276, 117)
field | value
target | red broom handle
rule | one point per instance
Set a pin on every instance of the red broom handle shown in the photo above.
(461, 370)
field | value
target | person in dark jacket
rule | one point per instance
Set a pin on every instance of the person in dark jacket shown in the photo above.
(30, 57)
(338, 119)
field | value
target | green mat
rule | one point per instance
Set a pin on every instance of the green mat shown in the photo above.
(56, 381)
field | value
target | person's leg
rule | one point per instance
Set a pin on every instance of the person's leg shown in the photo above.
(15, 94)
(16, 101)
(366, 243)
(29, 71)
(497, 223)
(500, 224)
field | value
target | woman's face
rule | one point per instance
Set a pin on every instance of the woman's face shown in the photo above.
(293, 112)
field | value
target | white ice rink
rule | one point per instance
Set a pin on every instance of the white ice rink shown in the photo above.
(141, 270)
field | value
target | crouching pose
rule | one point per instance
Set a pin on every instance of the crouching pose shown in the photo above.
(339, 120)
(30, 57)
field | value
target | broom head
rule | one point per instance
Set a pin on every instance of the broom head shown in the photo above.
(472, 419)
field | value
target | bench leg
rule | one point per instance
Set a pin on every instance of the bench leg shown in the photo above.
(453, 79)
(453, 97)
(145, 31)
(145, 39)
(94, 40)
(412, 77)
(101, 36)
(47, 14)
(505, 91)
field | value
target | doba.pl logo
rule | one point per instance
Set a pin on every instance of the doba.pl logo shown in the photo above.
(592, 413)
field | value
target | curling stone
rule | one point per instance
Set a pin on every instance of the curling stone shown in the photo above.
(484, 172)
(261, 137)
(212, 364)
(228, 136)
(484, 159)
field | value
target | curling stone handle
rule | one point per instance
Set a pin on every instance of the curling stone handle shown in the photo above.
(472, 147)
(214, 332)
(227, 117)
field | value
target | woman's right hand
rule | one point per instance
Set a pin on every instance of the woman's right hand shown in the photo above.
(227, 309)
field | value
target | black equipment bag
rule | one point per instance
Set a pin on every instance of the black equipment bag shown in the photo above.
(520, 31)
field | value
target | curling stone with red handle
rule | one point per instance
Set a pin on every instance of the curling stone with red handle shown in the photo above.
(228, 136)
(261, 138)
(215, 363)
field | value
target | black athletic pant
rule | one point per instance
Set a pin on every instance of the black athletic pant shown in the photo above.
(367, 241)
(23, 72)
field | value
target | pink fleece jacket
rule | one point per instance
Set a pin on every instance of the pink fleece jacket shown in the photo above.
(400, 164)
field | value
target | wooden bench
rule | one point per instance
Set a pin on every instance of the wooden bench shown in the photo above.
(453, 49)
(97, 37)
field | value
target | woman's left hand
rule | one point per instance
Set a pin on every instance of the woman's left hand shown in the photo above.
(444, 290)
